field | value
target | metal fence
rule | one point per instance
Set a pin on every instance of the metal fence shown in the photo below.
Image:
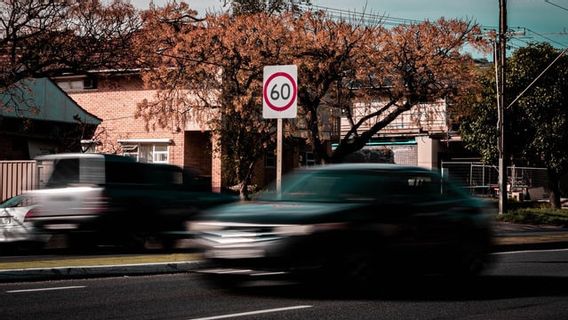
(482, 179)
(16, 177)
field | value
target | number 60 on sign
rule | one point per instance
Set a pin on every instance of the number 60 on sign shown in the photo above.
(280, 92)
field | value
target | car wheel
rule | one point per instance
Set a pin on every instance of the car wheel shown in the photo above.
(226, 282)
(358, 270)
(135, 241)
(81, 242)
(471, 262)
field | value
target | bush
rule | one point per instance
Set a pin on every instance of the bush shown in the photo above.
(557, 217)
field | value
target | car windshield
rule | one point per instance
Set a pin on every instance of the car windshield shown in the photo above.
(73, 171)
(315, 185)
(327, 186)
(11, 202)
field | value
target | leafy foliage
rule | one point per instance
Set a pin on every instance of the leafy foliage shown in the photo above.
(537, 131)
(546, 216)
(48, 37)
(268, 6)
(407, 66)
(210, 71)
(479, 126)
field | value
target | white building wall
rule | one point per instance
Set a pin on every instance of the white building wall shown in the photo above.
(427, 152)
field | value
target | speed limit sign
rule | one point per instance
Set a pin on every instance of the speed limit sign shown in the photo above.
(280, 92)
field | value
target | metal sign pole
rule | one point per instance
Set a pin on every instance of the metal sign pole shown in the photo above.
(279, 100)
(278, 155)
(502, 60)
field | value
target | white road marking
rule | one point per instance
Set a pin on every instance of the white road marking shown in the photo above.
(234, 315)
(530, 251)
(45, 289)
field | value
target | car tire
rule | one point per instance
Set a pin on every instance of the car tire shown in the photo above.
(471, 261)
(358, 270)
(81, 242)
(224, 282)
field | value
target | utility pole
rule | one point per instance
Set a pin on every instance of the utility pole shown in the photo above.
(501, 61)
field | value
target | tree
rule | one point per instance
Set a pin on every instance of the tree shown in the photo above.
(211, 71)
(478, 126)
(49, 37)
(216, 64)
(267, 6)
(328, 53)
(538, 121)
(347, 62)
(409, 65)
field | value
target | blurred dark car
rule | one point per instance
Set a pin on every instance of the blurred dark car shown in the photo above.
(351, 222)
(97, 199)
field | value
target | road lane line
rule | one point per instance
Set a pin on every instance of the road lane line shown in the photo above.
(242, 314)
(529, 251)
(45, 289)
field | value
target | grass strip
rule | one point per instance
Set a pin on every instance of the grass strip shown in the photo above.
(100, 261)
(537, 216)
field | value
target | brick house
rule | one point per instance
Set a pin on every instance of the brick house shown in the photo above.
(113, 97)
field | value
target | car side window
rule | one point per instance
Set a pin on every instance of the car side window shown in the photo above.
(412, 187)
(118, 172)
(425, 185)
(65, 172)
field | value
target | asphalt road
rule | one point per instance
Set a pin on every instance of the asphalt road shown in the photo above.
(522, 285)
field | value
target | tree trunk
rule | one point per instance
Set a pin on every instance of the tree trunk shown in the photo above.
(245, 182)
(554, 187)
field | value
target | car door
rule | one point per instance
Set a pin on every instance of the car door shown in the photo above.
(434, 213)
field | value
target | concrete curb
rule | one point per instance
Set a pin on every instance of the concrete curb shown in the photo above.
(81, 272)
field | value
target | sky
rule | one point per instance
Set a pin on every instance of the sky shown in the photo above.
(543, 20)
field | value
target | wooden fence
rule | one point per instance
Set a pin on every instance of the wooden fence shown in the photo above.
(16, 177)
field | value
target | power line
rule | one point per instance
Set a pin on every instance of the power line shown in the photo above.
(344, 14)
(547, 38)
(556, 5)
(374, 18)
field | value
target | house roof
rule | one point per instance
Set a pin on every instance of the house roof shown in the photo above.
(41, 99)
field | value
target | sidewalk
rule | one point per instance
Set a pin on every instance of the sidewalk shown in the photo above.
(509, 237)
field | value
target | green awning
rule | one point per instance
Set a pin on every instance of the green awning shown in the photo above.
(41, 99)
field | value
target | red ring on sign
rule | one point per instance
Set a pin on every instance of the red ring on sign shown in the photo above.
(294, 90)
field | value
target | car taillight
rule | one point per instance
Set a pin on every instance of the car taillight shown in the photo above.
(31, 214)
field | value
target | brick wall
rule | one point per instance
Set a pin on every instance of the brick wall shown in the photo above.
(115, 102)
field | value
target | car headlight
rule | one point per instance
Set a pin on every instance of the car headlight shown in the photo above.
(203, 226)
(305, 229)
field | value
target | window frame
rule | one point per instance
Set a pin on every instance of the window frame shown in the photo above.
(136, 150)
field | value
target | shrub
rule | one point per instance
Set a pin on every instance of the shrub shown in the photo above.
(557, 217)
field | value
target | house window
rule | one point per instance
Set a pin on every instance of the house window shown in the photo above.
(77, 84)
(147, 152)
(89, 146)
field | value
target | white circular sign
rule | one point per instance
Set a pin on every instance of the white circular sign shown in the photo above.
(280, 92)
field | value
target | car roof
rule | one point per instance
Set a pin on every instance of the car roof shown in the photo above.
(368, 166)
(111, 157)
